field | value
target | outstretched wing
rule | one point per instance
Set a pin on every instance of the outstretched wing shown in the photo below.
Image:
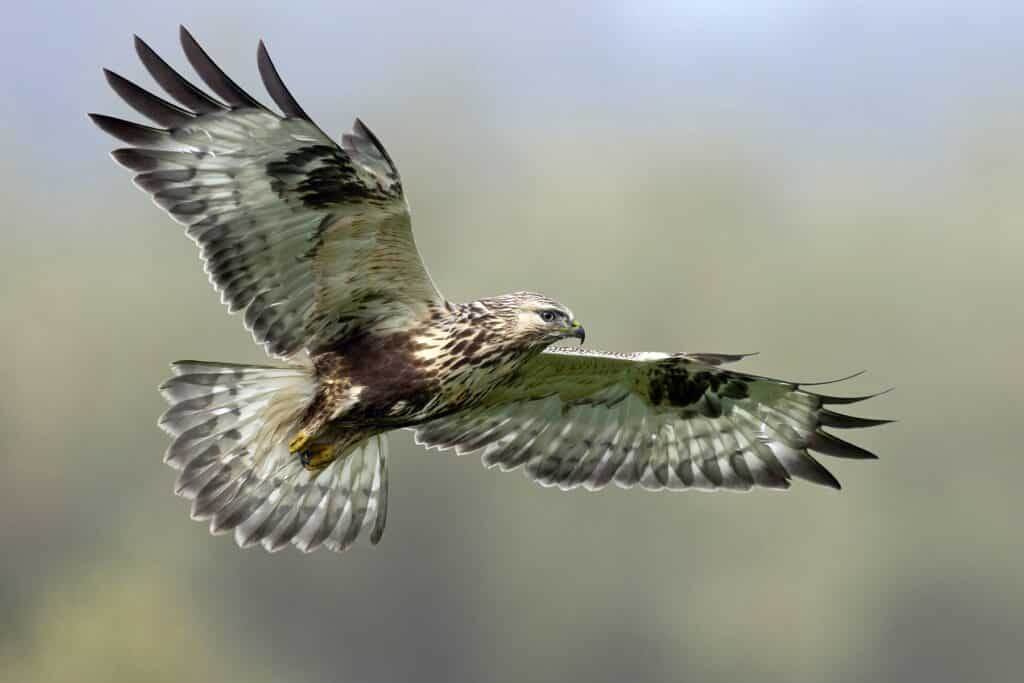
(310, 239)
(575, 417)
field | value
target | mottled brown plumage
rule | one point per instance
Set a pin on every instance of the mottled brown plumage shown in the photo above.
(448, 360)
(312, 242)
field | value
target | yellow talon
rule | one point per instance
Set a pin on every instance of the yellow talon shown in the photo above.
(319, 456)
(298, 442)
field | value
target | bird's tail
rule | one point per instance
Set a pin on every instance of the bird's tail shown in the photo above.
(231, 425)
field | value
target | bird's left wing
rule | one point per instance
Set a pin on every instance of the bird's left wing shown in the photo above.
(679, 421)
(311, 239)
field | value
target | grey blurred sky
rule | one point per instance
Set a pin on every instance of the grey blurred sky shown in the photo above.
(886, 73)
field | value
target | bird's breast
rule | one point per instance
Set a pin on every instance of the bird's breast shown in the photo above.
(407, 378)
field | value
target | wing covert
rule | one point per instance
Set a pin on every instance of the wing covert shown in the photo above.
(310, 239)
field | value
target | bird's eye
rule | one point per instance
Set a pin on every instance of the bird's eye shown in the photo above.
(548, 316)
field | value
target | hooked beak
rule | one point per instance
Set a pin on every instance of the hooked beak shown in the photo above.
(576, 330)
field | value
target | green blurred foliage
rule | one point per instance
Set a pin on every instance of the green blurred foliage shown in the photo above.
(121, 621)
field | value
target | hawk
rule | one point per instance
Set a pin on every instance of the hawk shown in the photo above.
(311, 241)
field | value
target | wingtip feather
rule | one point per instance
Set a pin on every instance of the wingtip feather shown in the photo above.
(275, 86)
(829, 418)
(129, 131)
(213, 75)
(813, 471)
(846, 400)
(146, 103)
(823, 442)
(832, 381)
(173, 83)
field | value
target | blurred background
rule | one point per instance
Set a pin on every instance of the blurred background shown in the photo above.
(835, 185)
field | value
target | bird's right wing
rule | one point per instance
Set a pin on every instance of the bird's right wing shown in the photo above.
(310, 239)
(680, 421)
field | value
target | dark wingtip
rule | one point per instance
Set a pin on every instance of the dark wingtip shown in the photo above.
(274, 84)
(832, 381)
(733, 357)
(846, 400)
(827, 478)
(819, 474)
(830, 445)
(142, 48)
(212, 74)
(146, 103)
(128, 131)
(829, 418)
(134, 159)
(362, 129)
(174, 83)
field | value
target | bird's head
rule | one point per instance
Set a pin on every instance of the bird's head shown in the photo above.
(538, 321)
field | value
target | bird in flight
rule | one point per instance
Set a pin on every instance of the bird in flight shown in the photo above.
(311, 241)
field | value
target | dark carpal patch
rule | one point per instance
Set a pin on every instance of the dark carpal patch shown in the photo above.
(735, 389)
(323, 176)
(674, 386)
